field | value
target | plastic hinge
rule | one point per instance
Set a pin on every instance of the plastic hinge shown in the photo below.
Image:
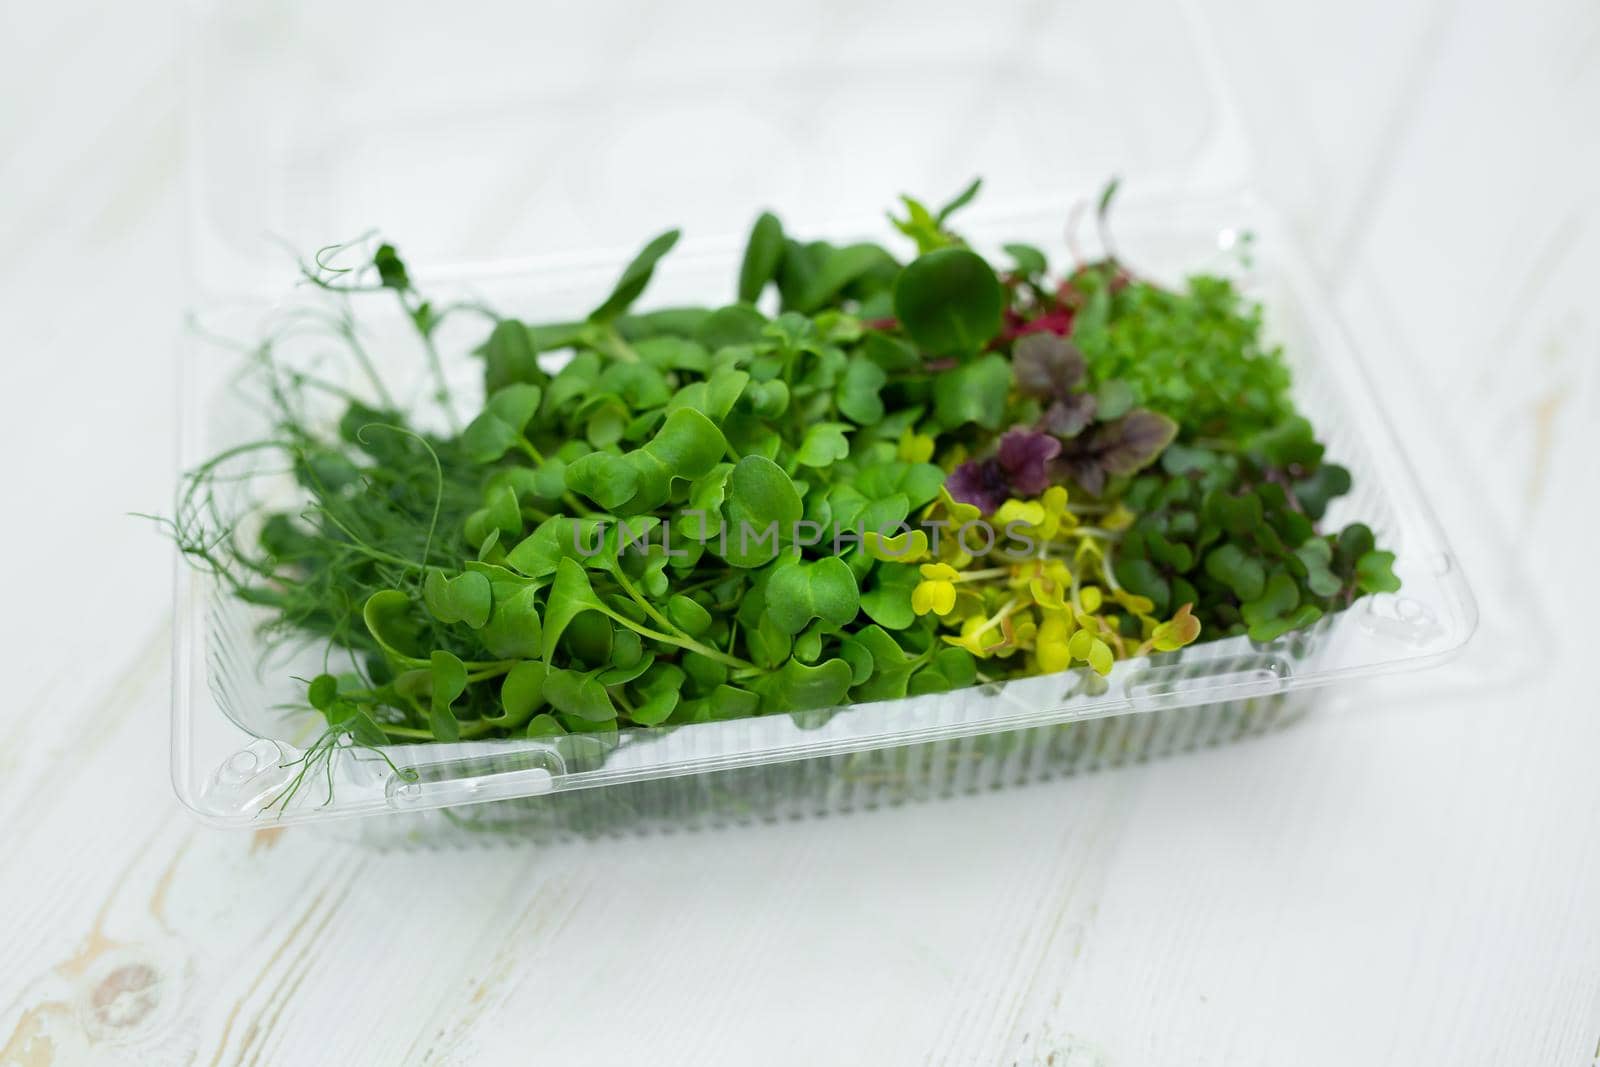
(1402, 619)
(251, 776)
(504, 776)
(1183, 685)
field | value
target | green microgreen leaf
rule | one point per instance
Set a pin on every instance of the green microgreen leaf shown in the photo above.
(1280, 597)
(838, 269)
(1317, 490)
(887, 600)
(1375, 572)
(959, 201)
(762, 254)
(449, 681)
(511, 355)
(391, 269)
(544, 726)
(499, 427)
(688, 615)
(799, 591)
(949, 301)
(1316, 555)
(891, 667)
(825, 443)
(570, 596)
(390, 622)
(974, 392)
(1242, 573)
(1030, 262)
(579, 694)
(858, 393)
(795, 686)
(463, 598)
(522, 693)
(687, 446)
(323, 691)
(634, 278)
(761, 510)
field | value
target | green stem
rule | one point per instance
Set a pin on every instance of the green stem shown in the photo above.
(684, 642)
(527, 446)
(306, 378)
(991, 572)
(1108, 570)
(368, 367)
(469, 730)
(645, 605)
(617, 347)
(488, 668)
(1006, 611)
(435, 366)
(703, 584)
(491, 670)
(356, 544)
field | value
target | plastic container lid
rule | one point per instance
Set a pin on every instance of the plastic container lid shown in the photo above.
(535, 132)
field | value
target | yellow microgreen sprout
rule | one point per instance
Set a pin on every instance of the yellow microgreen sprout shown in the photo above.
(937, 591)
(915, 447)
(1062, 614)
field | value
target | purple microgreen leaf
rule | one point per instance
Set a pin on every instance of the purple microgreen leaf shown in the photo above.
(1047, 366)
(1069, 416)
(981, 483)
(1085, 470)
(1123, 447)
(1025, 457)
(1134, 441)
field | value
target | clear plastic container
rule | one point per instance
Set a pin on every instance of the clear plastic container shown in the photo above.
(484, 141)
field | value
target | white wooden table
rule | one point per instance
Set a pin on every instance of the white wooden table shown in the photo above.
(1413, 879)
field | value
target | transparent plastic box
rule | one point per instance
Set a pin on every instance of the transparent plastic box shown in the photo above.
(521, 156)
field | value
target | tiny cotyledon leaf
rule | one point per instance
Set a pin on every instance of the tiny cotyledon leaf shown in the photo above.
(449, 681)
(687, 446)
(799, 591)
(463, 598)
(949, 301)
(634, 278)
(761, 510)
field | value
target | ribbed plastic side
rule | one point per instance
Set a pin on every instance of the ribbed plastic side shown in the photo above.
(834, 785)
